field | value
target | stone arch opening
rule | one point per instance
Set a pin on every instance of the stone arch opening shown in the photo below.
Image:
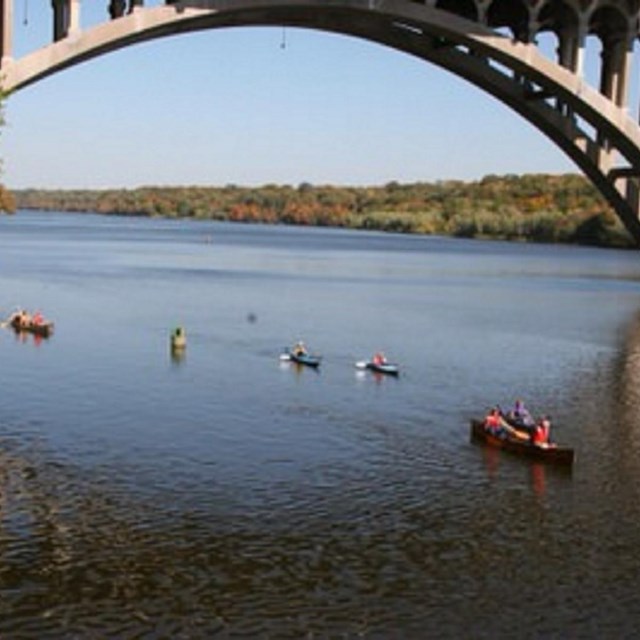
(512, 15)
(608, 23)
(558, 22)
(633, 6)
(610, 27)
(548, 43)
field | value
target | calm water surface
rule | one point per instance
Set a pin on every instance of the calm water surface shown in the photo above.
(224, 494)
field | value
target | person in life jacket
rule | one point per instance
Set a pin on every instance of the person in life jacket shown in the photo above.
(521, 415)
(493, 421)
(379, 358)
(542, 432)
(299, 348)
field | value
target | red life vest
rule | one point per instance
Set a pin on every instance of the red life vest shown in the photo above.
(540, 435)
(492, 420)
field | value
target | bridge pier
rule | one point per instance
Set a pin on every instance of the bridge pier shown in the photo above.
(74, 16)
(633, 193)
(613, 82)
(117, 8)
(61, 15)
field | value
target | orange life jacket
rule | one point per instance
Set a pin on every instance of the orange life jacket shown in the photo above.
(492, 420)
(540, 435)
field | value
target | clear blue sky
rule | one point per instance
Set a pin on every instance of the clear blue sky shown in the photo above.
(234, 106)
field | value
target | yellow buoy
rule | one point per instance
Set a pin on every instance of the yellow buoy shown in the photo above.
(178, 338)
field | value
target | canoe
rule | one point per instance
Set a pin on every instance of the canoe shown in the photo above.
(44, 329)
(302, 358)
(306, 359)
(552, 454)
(387, 368)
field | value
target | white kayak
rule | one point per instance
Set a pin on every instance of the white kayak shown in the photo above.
(381, 367)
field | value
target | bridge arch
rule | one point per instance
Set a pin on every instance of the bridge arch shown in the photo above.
(591, 125)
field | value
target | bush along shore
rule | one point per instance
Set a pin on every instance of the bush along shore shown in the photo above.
(534, 208)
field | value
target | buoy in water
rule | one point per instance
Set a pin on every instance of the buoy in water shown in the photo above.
(178, 338)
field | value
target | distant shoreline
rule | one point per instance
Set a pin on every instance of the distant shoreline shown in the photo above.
(565, 209)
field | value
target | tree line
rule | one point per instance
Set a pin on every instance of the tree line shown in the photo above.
(536, 208)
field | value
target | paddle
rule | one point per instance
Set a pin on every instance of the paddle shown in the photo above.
(7, 321)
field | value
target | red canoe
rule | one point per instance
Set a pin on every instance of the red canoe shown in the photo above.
(552, 454)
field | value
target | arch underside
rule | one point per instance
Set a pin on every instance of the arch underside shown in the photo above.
(588, 127)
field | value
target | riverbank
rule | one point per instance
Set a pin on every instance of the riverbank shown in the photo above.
(534, 208)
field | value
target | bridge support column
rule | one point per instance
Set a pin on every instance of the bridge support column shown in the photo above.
(613, 77)
(580, 46)
(626, 63)
(74, 16)
(622, 58)
(627, 182)
(633, 194)
(6, 31)
(60, 19)
(483, 8)
(568, 49)
(117, 8)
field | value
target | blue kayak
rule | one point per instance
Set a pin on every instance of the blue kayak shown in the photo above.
(306, 358)
(301, 358)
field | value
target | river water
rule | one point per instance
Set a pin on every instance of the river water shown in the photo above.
(226, 494)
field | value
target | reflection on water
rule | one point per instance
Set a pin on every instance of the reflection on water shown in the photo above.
(628, 397)
(538, 479)
(224, 495)
(178, 355)
(28, 337)
(539, 473)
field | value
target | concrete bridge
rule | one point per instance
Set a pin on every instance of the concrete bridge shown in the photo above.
(491, 43)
